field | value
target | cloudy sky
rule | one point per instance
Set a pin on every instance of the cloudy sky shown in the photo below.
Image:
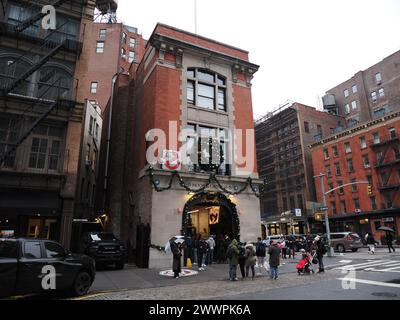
(303, 47)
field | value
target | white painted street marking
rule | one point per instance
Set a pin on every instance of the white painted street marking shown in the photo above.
(345, 261)
(374, 283)
(391, 265)
(365, 265)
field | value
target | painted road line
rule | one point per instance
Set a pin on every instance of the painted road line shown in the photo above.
(374, 283)
(365, 264)
(392, 268)
(365, 267)
(390, 265)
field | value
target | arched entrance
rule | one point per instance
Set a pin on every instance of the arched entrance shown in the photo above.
(211, 213)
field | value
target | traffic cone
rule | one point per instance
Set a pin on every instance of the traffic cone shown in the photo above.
(188, 263)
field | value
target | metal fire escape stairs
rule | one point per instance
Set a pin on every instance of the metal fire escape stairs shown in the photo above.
(49, 49)
(394, 145)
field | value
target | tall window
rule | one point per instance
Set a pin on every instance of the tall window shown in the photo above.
(102, 33)
(132, 42)
(354, 105)
(347, 147)
(378, 77)
(366, 161)
(46, 146)
(356, 204)
(381, 92)
(326, 154)
(354, 89)
(337, 169)
(124, 37)
(376, 138)
(363, 143)
(306, 127)
(350, 166)
(207, 149)
(100, 47)
(93, 87)
(353, 186)
(131, 57)
(346, 93)
(347, 108)
(54, 83)
(343, 208)
(374, 97)
(123, 53)
(335, 151)
(9, 131)
(206, 89)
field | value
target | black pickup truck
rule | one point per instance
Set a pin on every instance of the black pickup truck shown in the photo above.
(30, 266)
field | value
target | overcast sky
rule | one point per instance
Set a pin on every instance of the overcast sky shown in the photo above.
(303, 47)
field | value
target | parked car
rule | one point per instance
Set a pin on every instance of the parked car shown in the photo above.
(344, 241)
(268, 239)
(104, 248)
(23, 263)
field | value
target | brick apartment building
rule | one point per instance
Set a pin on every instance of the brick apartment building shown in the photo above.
(369, 152)
(187, 82)
(41, 119)
(284, 160)
(108, 49)
(369, 94)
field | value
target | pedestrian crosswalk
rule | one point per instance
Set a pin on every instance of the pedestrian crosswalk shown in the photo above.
(373, 265)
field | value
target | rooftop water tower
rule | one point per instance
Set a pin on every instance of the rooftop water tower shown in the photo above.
(106, 11)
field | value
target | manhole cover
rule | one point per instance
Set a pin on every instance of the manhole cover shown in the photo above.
(384, 294)
(394, 281)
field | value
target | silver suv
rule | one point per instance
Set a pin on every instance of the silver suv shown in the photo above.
(343, 241)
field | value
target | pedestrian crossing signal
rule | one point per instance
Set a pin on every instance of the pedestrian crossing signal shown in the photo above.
(369, 190)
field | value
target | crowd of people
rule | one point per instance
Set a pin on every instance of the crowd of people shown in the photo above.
(249, 256)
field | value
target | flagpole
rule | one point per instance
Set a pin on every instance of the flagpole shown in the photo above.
(195, 16)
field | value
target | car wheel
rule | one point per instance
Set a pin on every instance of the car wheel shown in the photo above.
(354, 249)
(82, 284)
(119, 265)
(340, 248)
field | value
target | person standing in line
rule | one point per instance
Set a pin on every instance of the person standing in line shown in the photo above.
(233, 258)
(274, 257)
(211, 246)
(261, 252)
(250, 260)
(242, 259)
(370, 242)
(196, 239)
(201, 247)
(389, 241)
(176, 261)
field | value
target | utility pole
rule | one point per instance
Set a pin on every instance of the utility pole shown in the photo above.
(325, 208)
(195, 16)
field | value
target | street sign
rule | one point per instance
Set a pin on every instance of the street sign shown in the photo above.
(297, 212)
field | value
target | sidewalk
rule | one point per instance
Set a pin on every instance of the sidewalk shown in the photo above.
(134, 278)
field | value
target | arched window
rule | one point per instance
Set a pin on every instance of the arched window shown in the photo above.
(206, 89)
(54, 83)
(10, 70)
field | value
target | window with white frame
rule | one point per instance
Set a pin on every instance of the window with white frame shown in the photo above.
(381, 93)
(206, 89)
(354, 88)
(354, 105)
(346, 93)
(93, 87)
(347, 108)
(374, 96)
(378, 77)
(131, 56)
(100, 47)
(132, 42)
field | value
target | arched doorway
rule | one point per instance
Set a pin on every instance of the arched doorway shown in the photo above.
(211, 213)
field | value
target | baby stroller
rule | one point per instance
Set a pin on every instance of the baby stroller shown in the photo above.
(305, 265)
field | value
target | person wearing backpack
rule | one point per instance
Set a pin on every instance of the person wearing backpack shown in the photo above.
(261, 253)
(233, 257)
(242, 259)
(201, 252)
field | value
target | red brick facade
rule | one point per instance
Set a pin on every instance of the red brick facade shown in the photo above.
(369, 152)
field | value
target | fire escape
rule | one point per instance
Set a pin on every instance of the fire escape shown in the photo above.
(387, 167)
(44, 49)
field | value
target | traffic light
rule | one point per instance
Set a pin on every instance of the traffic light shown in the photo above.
(318, 216)
(369, 189)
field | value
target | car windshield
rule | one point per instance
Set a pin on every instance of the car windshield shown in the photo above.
(102, 236)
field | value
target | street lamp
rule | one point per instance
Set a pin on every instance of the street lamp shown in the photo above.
(325, 208)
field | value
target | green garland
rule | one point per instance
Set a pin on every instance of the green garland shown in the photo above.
(258, 191)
